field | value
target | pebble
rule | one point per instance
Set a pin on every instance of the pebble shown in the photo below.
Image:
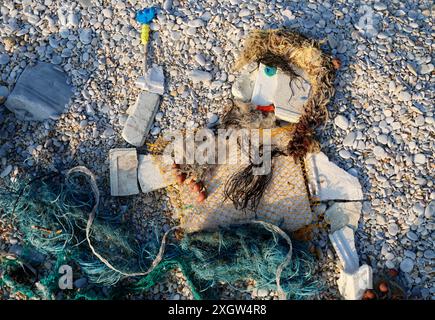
(429, 212)
(196, 23)
(345, 154)
(4, 59)
(393, 229)
(420, 158)
(155, 131)
(85, 36)
(412, 236)
(341, 122)
(199, 58)
(167, 5)
(4, 92)
(380, 6)
(379, 152)
(407, 265)
(404, 96)
(429, 254)
(200, 76)
(350, 139)
(6, 171)
(426, 68)
(81, 283)
(244, 13)
(382, 138)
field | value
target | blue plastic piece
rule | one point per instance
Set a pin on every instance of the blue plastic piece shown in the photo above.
(270, 71)
(146, 15)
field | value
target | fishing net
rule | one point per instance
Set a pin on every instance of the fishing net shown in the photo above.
(59, 215)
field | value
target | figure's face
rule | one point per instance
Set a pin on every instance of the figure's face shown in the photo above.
(267, 85)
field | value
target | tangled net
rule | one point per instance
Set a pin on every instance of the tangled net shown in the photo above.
(55, 214)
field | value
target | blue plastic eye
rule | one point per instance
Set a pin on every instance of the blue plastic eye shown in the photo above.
(146, 15)
(270, 71)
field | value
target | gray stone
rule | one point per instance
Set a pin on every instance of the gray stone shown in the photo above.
(407, 265)
(81, 283)
(140, 119)
(85, 36)
(123, 172)
(426, 68)
(345, 154)
(349, 140)
(167, 5)
(379, 152)
(196, 23)
(393, 229)
(4, 59)
(382, 138)
(412, 236)
(6, 171)
(429, 212)
(429, 254)
(244, 13)
(341, 122)
(404, 96)
(420, 158)
(40, 93)
(200, 76)
(199, 58)
(380, 6)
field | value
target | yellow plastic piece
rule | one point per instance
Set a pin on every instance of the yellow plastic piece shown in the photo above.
(145, 34)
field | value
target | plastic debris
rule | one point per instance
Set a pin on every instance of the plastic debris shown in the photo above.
(140, 119)
(145, 34)
(151, 176)
(353, 285)
(145, 16)
(153, 81)
(244, 85)
(354, 280)
(272, 87)
(123, 172)
(343, 214)
(330, 182)
(41, 93)
(344, 244)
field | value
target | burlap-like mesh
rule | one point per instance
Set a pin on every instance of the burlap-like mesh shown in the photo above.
(285, 202)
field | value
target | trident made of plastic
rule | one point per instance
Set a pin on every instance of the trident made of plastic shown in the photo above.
(144, 17)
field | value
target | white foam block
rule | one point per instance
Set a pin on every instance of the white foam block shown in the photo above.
(123, 172)
(329, 182)
(140, 119)
(153, 81)
(150, 175)
(287, 95)
(353, 285)
(342, 214)
(343, 241)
